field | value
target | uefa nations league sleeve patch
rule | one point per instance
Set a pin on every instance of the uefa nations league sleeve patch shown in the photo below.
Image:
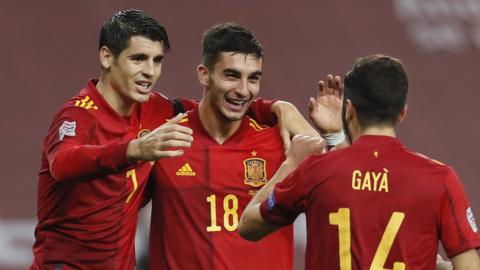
(271, 201)
(471, 220)
(67, 129)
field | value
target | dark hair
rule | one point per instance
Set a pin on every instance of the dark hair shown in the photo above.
(117, 31)
(228, 37)
(377, 86)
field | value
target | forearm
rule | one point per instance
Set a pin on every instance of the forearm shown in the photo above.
(468, 260)
(283, 171)
(84, 161)
(252, 227)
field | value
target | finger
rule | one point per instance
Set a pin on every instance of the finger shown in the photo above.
(337, 86)
(321, 89)
(311, 105)
(176, 119)
(175, 135)
(173, 143)
(169, 153)
(165, 128)
(330, 81)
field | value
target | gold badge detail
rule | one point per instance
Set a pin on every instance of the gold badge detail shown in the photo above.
(255, 171)
(143, 132)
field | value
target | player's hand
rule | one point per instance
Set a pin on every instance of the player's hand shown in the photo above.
(159, 143)
(302, 147)
(291, 122)
(326, 108)
(442, 264)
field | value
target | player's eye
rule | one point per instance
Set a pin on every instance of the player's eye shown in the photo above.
(138, 57)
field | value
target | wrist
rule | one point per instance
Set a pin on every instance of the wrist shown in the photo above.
(334, 139)
(132, 151)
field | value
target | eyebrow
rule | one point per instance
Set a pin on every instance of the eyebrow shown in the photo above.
(238, 73)
(256, 74)
(231, 71)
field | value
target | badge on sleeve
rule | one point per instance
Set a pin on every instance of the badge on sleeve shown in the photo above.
(67, 129)
(471, 220)
(271, 201)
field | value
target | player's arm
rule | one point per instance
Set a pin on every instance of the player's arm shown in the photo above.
(72, 155)
(252, 226)
(467, 260)
(457, 225)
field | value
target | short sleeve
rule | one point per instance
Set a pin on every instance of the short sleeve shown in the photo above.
(287, 200)
(261, 111)
(458, 229)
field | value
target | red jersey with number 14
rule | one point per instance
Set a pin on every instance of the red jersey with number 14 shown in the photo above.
(375, 205)
(199, 197)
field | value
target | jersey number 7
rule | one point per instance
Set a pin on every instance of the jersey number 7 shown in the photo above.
(342, 220)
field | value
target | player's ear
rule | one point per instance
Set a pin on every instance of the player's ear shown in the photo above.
(402, 114)
(106, 57)
(203, 75)
(350, 111)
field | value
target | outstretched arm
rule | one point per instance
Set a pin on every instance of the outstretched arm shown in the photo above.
(291, 122)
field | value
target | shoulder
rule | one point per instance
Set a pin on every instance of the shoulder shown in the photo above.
(258, 133)
(158, 98)
(256, 128)
(425, 163)
(79, 106)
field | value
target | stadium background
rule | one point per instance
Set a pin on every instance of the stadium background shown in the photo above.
(49, 50)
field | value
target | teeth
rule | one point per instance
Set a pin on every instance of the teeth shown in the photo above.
(144, 84)
(236, 102)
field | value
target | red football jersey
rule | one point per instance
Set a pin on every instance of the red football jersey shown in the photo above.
(199, 197)
(375, 204)
(88, 193)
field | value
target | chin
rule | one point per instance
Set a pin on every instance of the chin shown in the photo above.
(141, 98)
(234, 116)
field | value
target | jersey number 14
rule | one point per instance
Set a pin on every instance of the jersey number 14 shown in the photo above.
(342, 220)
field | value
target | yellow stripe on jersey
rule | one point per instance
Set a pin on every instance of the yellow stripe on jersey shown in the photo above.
(183, 120)
(255, 125)
(86, 103)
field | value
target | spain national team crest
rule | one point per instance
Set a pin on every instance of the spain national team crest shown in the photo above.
(255, 171)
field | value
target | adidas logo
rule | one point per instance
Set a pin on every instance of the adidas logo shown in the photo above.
(185, 170)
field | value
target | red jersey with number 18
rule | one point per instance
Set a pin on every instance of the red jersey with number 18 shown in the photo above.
(375, 205)
(199, 197)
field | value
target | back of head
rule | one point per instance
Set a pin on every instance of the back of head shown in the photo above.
(228, 37)
(117, 31)
(377, 86)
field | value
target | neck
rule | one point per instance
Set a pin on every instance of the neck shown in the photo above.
(219, 128)
(114, 98)
(375, 130)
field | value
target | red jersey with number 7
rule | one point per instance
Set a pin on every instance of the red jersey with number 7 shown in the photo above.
(375, 205)
(88, 193)
(199, 197)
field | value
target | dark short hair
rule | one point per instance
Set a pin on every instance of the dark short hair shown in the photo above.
(117, 31)
(228, 37)
(377, 86)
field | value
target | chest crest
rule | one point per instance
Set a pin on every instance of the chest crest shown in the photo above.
(255, 170)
